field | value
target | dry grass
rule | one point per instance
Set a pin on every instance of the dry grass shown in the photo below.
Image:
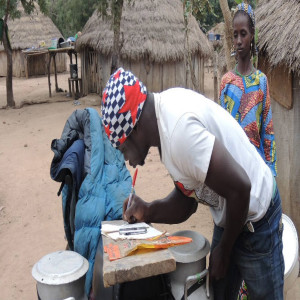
(278, 22)
(30, 30)
(153, 29)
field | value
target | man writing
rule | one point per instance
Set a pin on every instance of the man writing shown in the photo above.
(211, 161)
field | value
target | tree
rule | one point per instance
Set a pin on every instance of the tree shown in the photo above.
(195, 8)
(9, 10)
(228, 33)
(112, 9)
(70, 15)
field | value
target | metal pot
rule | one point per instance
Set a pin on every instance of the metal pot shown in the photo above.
(188, 280)
(61, 275)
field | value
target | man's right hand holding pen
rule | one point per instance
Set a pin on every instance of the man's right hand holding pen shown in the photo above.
(135, 212)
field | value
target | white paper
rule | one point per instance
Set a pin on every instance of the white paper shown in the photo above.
(112, 231)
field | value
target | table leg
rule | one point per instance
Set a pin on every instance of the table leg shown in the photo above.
(69, 82)
(49, 83)
(55, 73)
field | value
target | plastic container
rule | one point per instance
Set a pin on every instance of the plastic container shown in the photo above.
(73, 71)
(211, 36)
(65, 44)
(54, 43)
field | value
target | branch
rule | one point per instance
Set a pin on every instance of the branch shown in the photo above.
(7, 11)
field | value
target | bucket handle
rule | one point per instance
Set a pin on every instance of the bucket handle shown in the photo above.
(193, 279)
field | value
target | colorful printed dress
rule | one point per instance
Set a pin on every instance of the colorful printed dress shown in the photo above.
(247, 99)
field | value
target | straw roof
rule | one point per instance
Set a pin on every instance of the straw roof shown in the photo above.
(278, 23)
(150, 28)
(30, 30)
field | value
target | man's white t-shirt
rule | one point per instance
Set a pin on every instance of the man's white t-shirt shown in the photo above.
(188, 124)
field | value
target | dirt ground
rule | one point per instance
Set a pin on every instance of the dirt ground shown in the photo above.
(31, 223)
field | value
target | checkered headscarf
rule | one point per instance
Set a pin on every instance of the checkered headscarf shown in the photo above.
(122, 103)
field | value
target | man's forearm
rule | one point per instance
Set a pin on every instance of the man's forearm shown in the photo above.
(236, 216)
(173, 209)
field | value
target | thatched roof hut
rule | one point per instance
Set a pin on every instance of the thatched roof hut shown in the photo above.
(28, 32)
(280, 19)
(153, 46)
(278, 23)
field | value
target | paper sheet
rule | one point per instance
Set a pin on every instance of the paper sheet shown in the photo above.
(112, 231)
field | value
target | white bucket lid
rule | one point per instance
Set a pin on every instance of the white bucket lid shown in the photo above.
(60, 267)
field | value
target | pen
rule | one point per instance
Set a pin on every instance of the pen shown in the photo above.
(133, 228)
(135, 232)
(132, 188)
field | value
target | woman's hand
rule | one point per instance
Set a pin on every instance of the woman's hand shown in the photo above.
(137, 210)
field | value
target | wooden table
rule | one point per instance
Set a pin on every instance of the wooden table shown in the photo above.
(52, 54)
(135, 267)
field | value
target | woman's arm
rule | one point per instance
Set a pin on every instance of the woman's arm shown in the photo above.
(267, 132)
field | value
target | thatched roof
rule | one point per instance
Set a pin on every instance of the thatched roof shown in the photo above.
(220, 29)
(30, 30)
(278, 22)
(150, 28)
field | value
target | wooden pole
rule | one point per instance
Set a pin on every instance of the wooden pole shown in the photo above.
(55, 72)
(215, 63)
(48, 67)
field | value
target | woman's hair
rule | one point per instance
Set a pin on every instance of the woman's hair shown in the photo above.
(246, 10)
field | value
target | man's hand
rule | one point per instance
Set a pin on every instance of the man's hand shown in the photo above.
(137, 210)
(173, 209)
(218, 263)
(227, 178)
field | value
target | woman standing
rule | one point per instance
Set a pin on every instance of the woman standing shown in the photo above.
(244, 91)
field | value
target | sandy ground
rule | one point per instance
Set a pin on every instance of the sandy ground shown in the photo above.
(31, 223)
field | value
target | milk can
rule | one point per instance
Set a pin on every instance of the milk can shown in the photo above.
(61, 275)
(190, 279)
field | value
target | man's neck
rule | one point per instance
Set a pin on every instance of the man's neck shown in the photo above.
(149, 122)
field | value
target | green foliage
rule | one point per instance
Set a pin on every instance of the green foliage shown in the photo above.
(198, 8)
(12, 9)
(13, 13)
(71, 15)
(210, 15)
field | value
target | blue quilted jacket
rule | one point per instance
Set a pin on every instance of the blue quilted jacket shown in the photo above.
(101, 187)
